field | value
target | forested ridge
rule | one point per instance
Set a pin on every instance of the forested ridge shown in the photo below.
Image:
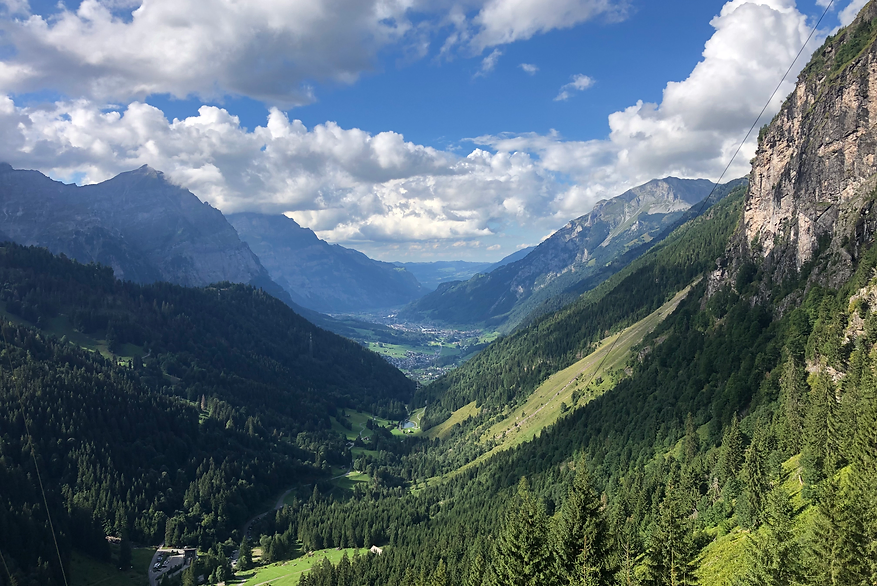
(575, 259)
(222, 399)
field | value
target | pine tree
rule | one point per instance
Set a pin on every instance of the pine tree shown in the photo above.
(732, 451)
(439, 576)
(580, 541)
(672, 552)
(245, 555)
(793, 395)
(343, 572)
(831, 549)
(189, 578)
(475, 571)
(860, 497)
(627, 545)
(820, 455)
(408, 576)
(756, 480)
(691, 445)
(521, 555)
(773, 556)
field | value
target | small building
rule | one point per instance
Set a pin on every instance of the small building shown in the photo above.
(376, 550)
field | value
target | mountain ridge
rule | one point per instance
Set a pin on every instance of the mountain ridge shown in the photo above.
(321, 276)
(582, 248)
(138, 223)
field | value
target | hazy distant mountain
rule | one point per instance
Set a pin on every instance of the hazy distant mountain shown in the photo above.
(433, 274)
(513, 257)
(138, 223)
(575, 258)
(322, 276)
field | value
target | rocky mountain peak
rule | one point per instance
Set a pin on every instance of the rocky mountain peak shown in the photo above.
(322, 276)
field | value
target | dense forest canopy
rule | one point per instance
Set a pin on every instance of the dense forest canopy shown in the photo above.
(740, 449)
(194, 407)
(512, 367)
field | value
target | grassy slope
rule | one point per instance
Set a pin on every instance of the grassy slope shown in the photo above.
(543, 407)
(288, 573)
(358, 421)
(443, 429)
(60, 327)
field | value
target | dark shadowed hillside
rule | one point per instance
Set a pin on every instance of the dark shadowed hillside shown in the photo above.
(323, 276)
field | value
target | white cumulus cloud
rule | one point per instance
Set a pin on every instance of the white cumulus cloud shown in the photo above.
(348, 185)
(501, 22)
(580, 82)
(529, 68)
(488, 64)
(700, 121)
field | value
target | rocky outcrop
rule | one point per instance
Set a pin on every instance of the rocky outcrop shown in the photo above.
(138, 223)
(322, 276)
(813, 179)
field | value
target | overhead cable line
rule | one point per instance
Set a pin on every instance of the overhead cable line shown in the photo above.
(33, 454)
(740, 146)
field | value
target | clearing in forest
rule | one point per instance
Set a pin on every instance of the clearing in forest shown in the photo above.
(288, 573)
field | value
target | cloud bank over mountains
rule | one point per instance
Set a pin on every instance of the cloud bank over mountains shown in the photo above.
(373, 191)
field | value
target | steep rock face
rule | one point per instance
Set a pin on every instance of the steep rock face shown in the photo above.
(138, 223)
(575, 258)
(322, 276)
(813, 178)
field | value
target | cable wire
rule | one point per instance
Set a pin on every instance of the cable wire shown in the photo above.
(33, 454)
(8, 573)
(760, 114)
(736, 152)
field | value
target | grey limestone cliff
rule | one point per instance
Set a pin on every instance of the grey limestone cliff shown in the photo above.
(813, 179)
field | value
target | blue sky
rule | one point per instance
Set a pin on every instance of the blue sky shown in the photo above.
(409, 129)
(439, 102)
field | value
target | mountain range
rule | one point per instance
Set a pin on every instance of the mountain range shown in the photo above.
(138, 223)
(572, 260)
(147, 229)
